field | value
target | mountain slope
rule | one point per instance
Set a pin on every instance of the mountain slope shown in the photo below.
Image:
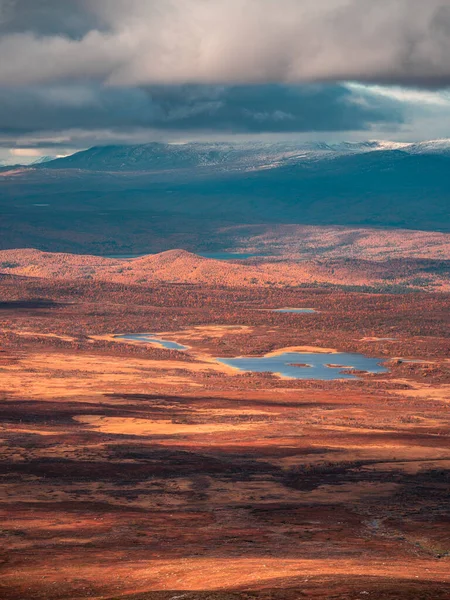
(225, 156)
(222, 156)
(80, 203)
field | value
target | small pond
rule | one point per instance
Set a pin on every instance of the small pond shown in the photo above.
(309, 365)
(148, 338)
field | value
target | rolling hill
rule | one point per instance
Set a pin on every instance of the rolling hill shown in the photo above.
(179, 266)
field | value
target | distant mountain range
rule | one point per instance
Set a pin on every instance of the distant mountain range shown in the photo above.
(154, 197)
(222, 156)
(155, 156)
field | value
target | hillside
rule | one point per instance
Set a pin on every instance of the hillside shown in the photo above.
(303, 241)
(179, 266)
(151, 199)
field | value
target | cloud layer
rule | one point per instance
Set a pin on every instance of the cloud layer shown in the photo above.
(243, 109)
(147, 42)
(78, 72)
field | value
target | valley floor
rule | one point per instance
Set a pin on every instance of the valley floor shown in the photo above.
(133, 471)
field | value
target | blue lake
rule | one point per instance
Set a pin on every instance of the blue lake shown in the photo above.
(148, 338)
(295, 310)
(325, 367)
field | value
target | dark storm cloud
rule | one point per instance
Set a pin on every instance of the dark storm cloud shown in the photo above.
(242, 109)
(217, 66)
(269, 108)
(147, 42)
(70, 18)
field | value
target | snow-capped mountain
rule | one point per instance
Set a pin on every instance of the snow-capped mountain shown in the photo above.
(431, 147)
(225, 156)
(159, 156)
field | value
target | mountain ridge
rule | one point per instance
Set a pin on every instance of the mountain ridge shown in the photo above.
(159, 155)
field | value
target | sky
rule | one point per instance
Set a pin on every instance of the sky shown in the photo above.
(76, 73)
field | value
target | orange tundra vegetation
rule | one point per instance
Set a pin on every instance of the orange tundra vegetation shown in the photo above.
(179, 266)
(133, 471)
